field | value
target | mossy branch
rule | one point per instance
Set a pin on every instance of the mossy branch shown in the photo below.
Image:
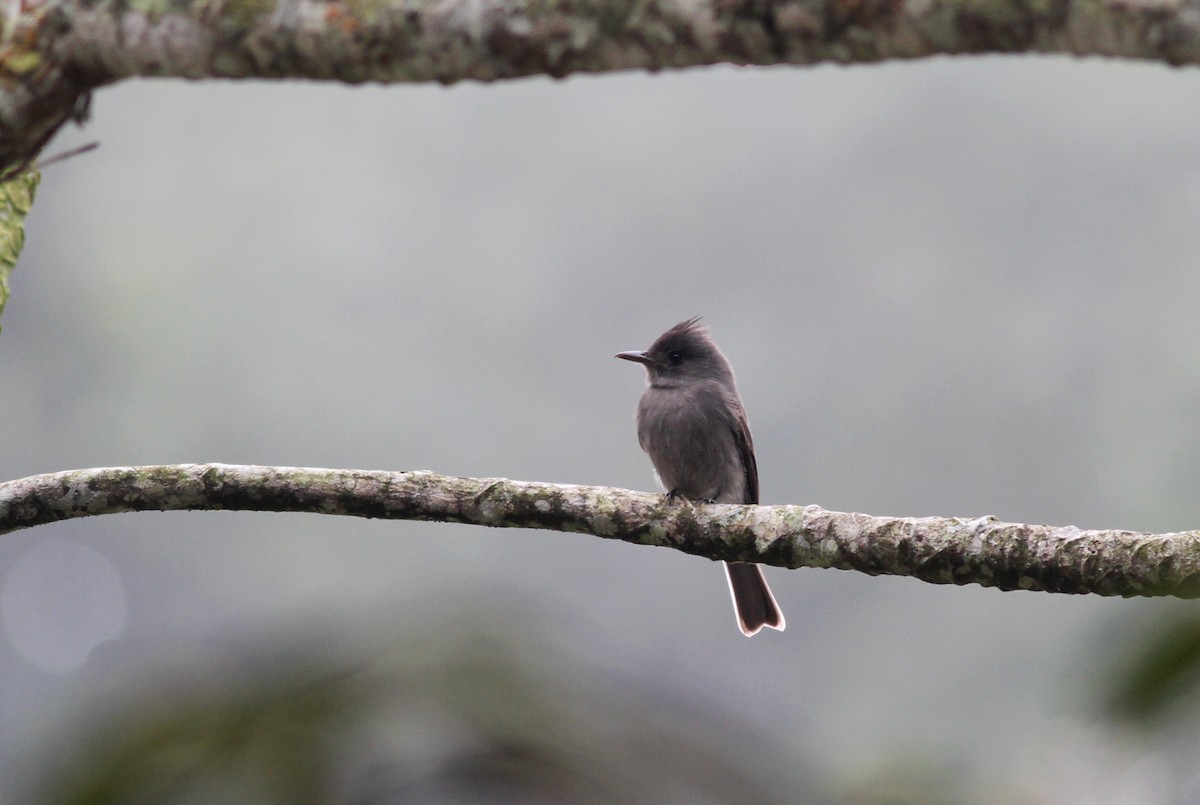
(941, 550)
(53, 53)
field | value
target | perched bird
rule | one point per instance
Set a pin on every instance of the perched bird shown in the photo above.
(691, 423)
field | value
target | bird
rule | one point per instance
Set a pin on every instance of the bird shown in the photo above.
(692, 424)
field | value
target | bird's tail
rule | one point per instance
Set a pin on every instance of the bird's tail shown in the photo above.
(752, 599)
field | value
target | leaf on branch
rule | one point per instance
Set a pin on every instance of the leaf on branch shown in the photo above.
(16, 198)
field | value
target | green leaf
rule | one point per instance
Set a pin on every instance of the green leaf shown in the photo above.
(16, 198)
(1163, 675)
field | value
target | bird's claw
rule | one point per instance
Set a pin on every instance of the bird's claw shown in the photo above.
(674, 495)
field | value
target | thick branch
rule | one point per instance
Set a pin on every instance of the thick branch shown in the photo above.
(941, 550)
(53, 52)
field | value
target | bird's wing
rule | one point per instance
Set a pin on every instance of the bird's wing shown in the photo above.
(745, 447)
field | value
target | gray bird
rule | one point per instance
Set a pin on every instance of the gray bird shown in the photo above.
(691, 423)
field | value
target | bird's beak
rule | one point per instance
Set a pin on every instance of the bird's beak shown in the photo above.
(636, 356)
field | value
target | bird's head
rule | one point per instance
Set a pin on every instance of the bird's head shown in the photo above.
(685, 352)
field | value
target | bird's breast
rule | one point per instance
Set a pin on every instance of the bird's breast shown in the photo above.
(690, 442)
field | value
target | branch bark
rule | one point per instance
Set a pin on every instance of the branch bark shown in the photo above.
(941, 550)
(54, 52)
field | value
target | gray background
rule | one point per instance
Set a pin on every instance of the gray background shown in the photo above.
(954, 287)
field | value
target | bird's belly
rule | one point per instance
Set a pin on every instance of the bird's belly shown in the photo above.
(695, 458)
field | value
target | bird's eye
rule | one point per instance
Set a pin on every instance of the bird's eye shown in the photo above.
(674, 358)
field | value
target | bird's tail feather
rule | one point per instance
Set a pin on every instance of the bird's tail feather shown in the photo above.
(752, 599)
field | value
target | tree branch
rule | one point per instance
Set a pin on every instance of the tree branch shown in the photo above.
(1010, 556)
(54, 52)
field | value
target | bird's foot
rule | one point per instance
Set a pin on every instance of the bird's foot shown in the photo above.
(675, 495)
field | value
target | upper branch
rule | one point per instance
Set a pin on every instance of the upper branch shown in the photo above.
(941, 550)
(54, 52)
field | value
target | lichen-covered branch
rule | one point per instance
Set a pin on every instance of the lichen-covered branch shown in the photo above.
(54, 52)
(942, 550)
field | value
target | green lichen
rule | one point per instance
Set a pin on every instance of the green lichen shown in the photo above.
(21, 62)
(243, 13)
(16, 199)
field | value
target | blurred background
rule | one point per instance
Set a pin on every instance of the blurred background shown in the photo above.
(952, 287)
